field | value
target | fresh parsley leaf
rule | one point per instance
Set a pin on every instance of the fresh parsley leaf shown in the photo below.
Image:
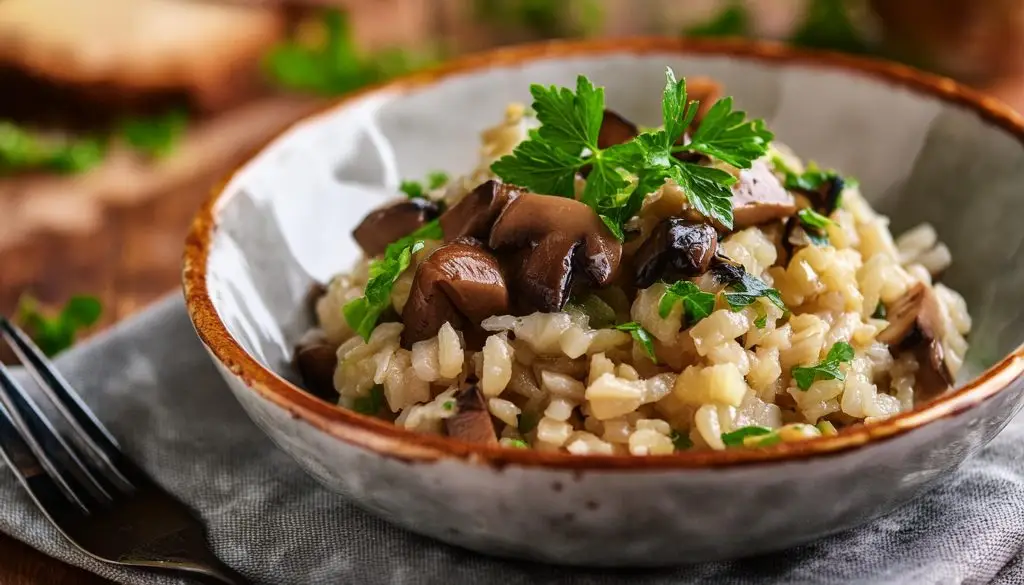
(518, 444)
(676, 113)
(21, 151)
(155, 136)
(707, 189)
(762, 321)
(680, 441)
(362, 313)
(371, 403)
(727, 135)
(412, 189)
(569, 121)
(814, 225)
(880, 311)
(641, 336)
(840, 352)
(697, 304)
(437, 179)
(733, 21)
(53, 334)
(735, 438)
(748, 289)
(448, 405)
(415, 189)
(600, 314)
(540, 167)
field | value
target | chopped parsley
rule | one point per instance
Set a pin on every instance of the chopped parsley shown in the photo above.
(599, 314)
(680, 441)
(371, 403)
(622, 175)
(697, 304)
(641, 336)
(840, 352)
(762, 321)
(21, 150)
(518, 444)
(814, 225)
(156, 136)
(736, 438)
(55, 333)
(415, 189)
(362, 314)
(448, 405)
(746, 290)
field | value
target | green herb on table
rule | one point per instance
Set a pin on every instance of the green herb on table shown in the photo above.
(814, 225)
(840, 353)
(641, 336)
(736, 438)
(731, 21)
(371, 403)
(622, 175)
(155, 136)
(746, 290)
(680, 441)
(362, 314)
(21, 150)
(336, 65)
(697, 304)
(55, 333)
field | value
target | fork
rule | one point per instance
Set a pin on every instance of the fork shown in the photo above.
(99, 500)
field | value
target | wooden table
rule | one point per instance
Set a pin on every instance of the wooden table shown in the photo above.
(133, 260)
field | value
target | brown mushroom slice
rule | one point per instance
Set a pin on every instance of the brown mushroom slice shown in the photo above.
(472, 421)
(558, 238)
(475, 214)
(704, 90)
(615, 130)
(916, 324)
(316, 359)
(459, 283)
(758, 197)
(385, 225)
(677, 248)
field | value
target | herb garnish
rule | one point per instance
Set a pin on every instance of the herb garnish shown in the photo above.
(371, 403)
(155, 136)
(622, 175)
(641, 336)
(448, 405)
(518, 444)
(814, 225)
(415, 189)
(840, 352)
(680, 441)
(697, 304)
(21, 150)
(736, 438)
(746, 291)
(362, 313)
(54, 334)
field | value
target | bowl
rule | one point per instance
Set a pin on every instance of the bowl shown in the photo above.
(923, 148)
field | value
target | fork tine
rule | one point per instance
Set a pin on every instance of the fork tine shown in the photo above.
(97, 442)
(53, 453)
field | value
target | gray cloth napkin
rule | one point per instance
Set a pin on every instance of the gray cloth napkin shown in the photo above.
(151, 382)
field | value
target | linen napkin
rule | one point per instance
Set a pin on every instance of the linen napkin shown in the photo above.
(152, 383)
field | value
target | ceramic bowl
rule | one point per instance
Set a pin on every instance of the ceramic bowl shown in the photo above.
(924, 149)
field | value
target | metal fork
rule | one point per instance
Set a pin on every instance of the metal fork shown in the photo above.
(92, 493)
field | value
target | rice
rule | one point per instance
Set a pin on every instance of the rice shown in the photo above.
(558, 382)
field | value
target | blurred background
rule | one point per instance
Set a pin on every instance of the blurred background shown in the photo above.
(116, 116)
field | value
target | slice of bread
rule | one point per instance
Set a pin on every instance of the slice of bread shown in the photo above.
(138, 46)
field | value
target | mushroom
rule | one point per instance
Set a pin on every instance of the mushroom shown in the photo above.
(460, 283)
(758, 197)
(677, 248)
(475, 214)
(556, 238)
(725, 270)
(315, 359)
(916, 324)
(471, 421)
(704, 90)
(385, 225)
(615, 130)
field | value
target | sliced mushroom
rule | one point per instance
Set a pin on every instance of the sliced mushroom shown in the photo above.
(557, 238)
(677, 248)
(460, 283)
(615, 130)
(475, 214)
(916, 324)
(316, 359)
(472, 421)
(385, 225)
(704, 90)
(758, 197)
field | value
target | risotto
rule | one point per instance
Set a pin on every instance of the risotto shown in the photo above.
(597, 289)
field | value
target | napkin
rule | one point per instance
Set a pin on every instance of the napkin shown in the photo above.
(152, 383)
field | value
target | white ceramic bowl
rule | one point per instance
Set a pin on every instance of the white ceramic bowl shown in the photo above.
(923, 148)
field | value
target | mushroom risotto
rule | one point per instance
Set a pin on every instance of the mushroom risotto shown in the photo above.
(598, 288)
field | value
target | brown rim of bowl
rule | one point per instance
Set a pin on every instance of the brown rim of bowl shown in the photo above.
(387, 439)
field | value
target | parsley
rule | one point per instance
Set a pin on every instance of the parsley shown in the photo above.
(21, 150)
(518, 444)
(599, 313)
(371, 403)
(362, 313)
(622, 175)
(840, 352)
(680, 441)
(880, 311)
(155, 136)
(814, 225)
(762, 321)
(53, 334)
(736, 438)
(697, 304)
(733, 21)
(448, 405)
(336, 65)
(415, 189)
(641, 336)
(748, 289)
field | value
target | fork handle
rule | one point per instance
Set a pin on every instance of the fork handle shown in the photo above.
(183, 551)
